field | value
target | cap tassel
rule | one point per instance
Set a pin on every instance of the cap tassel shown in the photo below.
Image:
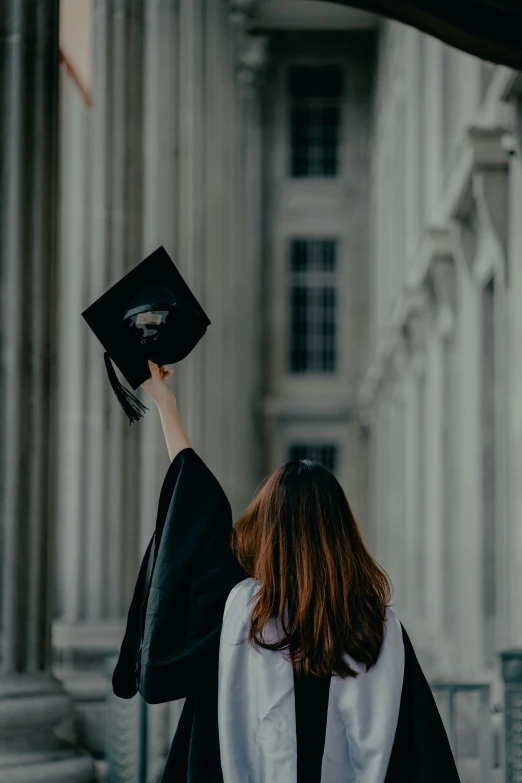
(133, 407)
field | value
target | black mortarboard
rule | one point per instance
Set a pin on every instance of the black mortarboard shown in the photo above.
(151, 313)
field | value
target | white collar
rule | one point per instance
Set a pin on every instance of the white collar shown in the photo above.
(256, 706)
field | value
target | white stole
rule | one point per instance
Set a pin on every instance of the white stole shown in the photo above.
(256, 706)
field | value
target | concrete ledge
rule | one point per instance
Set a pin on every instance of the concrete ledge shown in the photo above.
(71, 768)
(322, 409)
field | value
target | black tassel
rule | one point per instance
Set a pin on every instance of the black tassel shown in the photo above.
(133, 407)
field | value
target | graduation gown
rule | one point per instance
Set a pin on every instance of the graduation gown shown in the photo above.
(189, 603)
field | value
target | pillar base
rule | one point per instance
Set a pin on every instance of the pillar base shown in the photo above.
(31, 708)
(71, 767)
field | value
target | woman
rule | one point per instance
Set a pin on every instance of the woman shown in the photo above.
(276, 631)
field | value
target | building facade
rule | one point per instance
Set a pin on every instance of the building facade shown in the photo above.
(442, 387)
(440, 382)
(317, 102)
(164, 149)
(341, 194)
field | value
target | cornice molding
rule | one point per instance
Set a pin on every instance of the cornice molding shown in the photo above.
(483, 150)
(441, 281)
(491, 200)
(513, 86)
(252, 59)
(437, 241)
(288, 409)
(250, 48)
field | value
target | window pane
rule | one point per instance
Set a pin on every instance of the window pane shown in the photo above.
(326, 454)
(299, 337)
(314, 95)
(313, 306)
(320, 82)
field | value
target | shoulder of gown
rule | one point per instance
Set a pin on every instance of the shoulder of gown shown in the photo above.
(171, 643)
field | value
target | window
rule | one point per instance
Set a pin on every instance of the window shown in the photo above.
(313, 305)
(315, 113)
(326, 454)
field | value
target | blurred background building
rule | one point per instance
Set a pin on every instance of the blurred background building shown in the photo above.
(341, 194)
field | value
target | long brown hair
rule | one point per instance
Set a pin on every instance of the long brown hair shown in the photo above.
(299, 538)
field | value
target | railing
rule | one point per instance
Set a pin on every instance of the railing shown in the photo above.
(512, 676)
(466, 712)
(126, 736)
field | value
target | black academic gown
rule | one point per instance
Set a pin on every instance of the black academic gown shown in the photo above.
(171, 645)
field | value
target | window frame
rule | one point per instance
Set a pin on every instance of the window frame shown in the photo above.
(286, 162)
(335, 102)
(308, 443)
(291, 275)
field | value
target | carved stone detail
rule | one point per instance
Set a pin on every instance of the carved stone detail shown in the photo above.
(251, 49)
(415, 329)
(252, 59)
(490, 194)
(481, 212)
(441, 278)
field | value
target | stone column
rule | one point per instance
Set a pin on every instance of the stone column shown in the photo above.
(124, 237)
(230, 128)
(413, 462)
(160, 204)
(395, 473)
(378, 437)
(82, 480)
(384, 439)
(514, 533)
(440, 282)
(469, 463)
(193, 168)
(219, 341)
(223, 234)
(250, 63)
(433, 472)
(442, 275)
(367, 421)
(100, 518)
(411, 455)
(72, 276)
(432, 119)
(382, 536)
(97, 388)
(416, 478)
(32, 701)
(415, 160)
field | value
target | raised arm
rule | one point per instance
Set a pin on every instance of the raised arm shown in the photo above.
(158, 388)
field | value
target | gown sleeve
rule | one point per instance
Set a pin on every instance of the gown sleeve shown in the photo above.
(171, 644)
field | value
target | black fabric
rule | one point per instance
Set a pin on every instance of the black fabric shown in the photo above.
(124, 677)
(194, 753)
(177, 612)
(171, 645)
(421, 750)
(311, 707)
(489, 29)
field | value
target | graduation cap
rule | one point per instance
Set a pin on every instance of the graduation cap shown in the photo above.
(151, 313)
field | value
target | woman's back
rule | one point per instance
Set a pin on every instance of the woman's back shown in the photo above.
(260, 702)
(176, 646)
